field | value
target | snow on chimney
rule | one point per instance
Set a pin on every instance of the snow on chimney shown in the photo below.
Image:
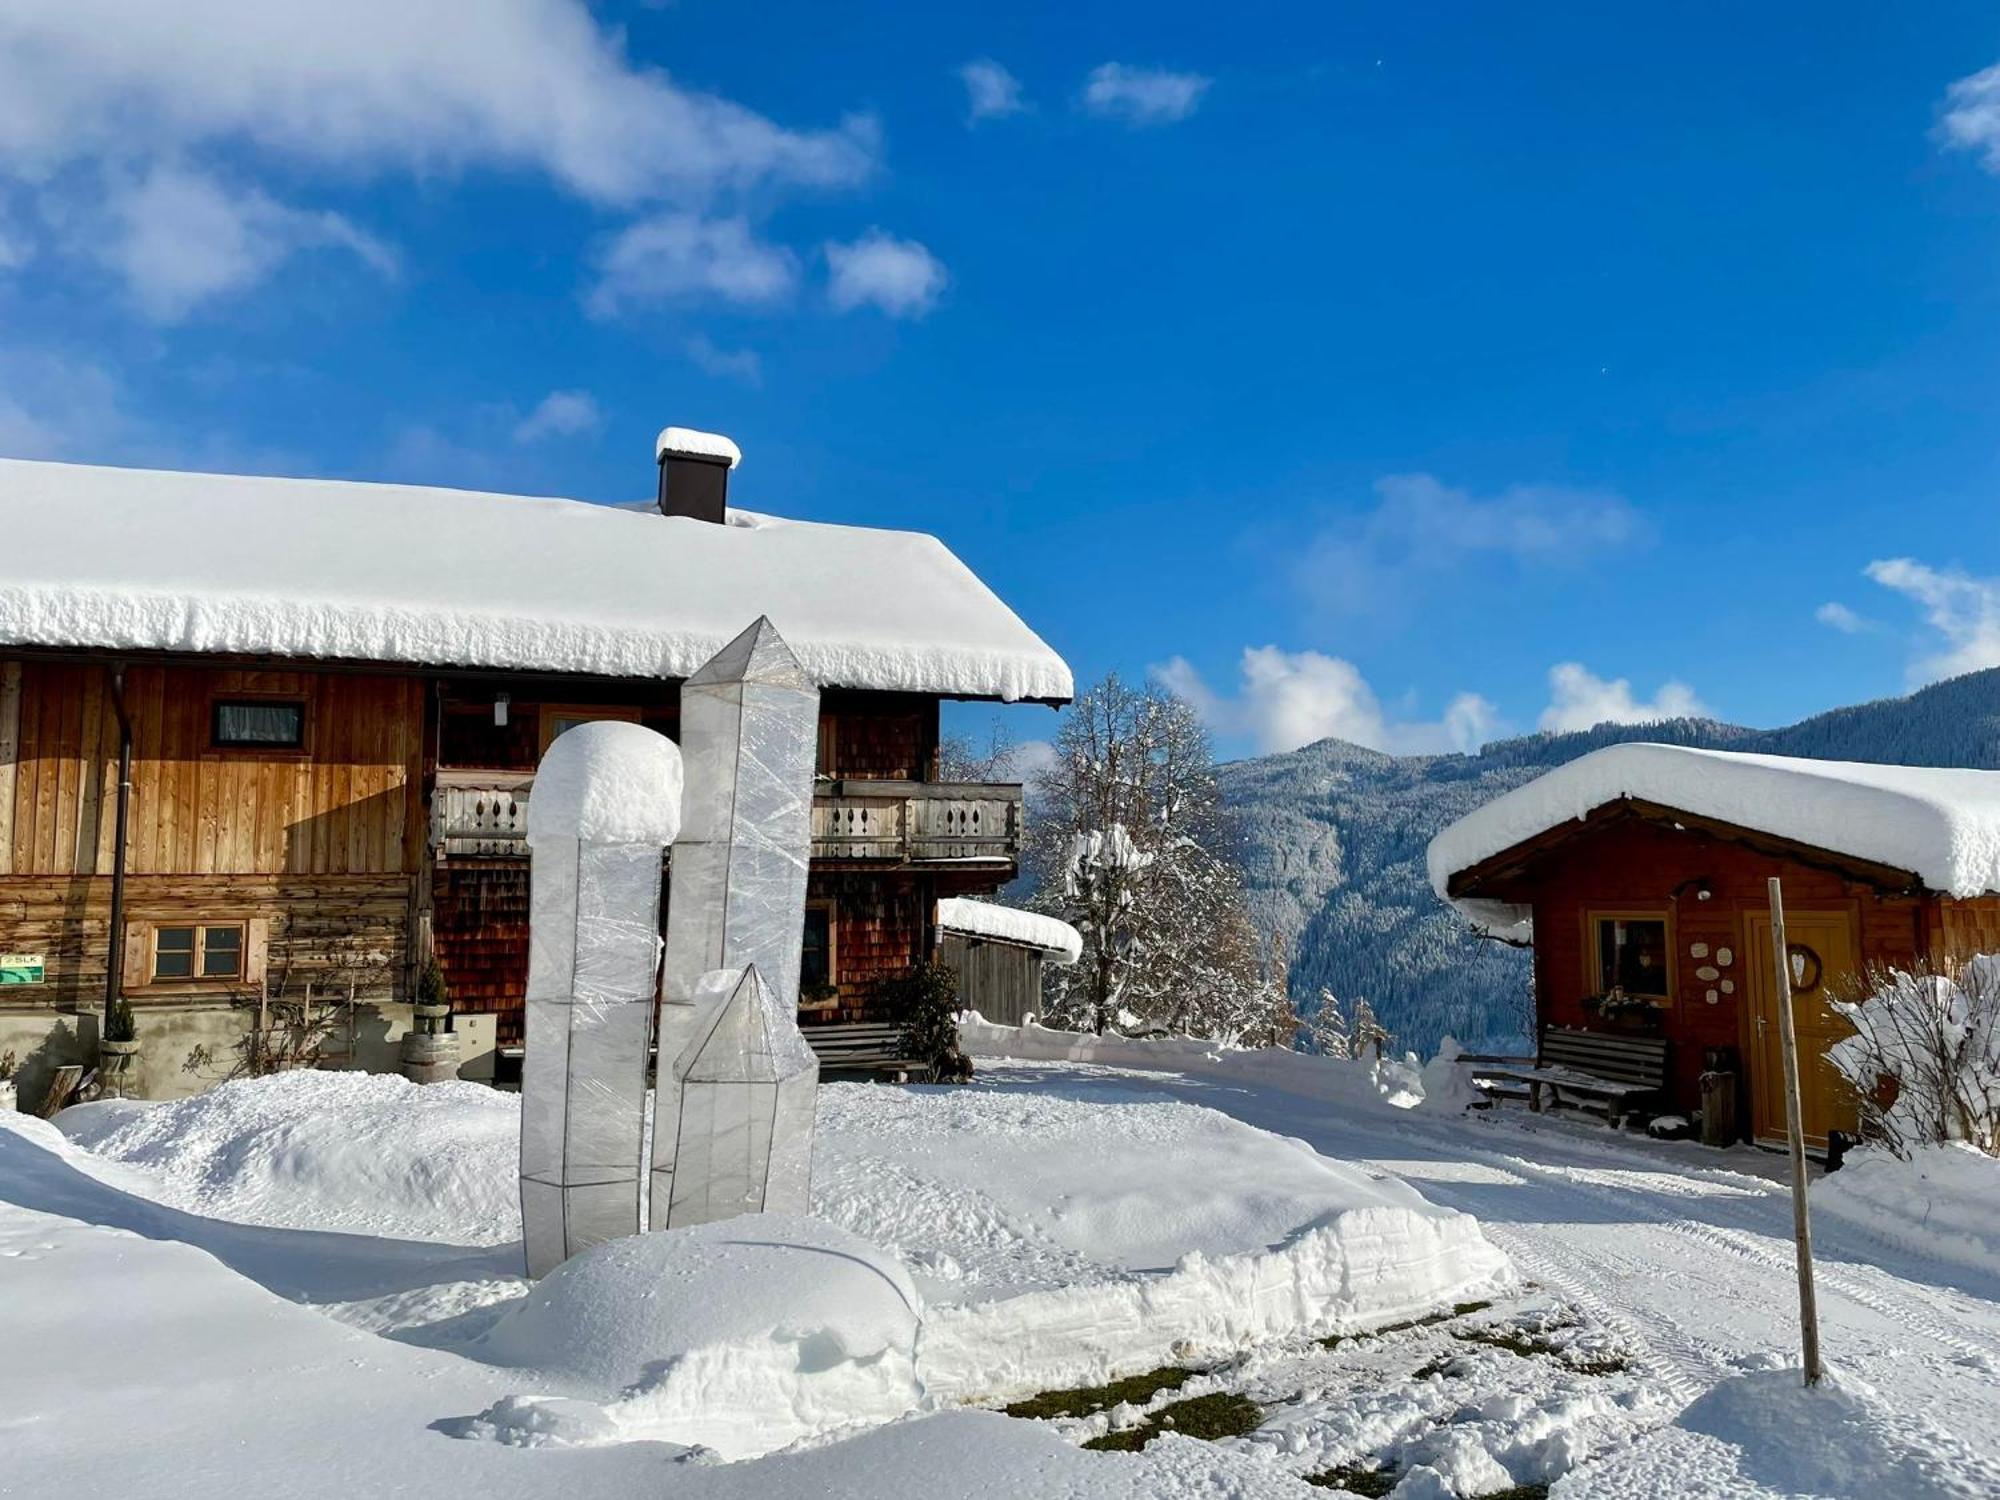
(694, 473)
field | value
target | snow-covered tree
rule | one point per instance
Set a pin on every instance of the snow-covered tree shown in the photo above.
(1924, 1059)
(1325, 1031)
(1131, 846)
(1368, 1032)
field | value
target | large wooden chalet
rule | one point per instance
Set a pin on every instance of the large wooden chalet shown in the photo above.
(1639, 875)
(332, 698)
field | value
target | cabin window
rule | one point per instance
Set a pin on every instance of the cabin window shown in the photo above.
(559, 718)
(1632, 954)
(258, 724)
(816, 972)
(197, 951)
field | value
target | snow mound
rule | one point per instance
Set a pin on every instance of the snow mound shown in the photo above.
(1062, 1240)
(1941, 824)
(1943, 1202)
(741, 1336)
(1839, 1440)
(359, 1152)
(608, 783)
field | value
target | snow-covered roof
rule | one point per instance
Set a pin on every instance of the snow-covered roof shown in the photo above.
(1942, 825)
(1009, 924)
(135, 559)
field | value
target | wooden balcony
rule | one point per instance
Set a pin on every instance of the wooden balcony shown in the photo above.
(917, 822)
(483, 815)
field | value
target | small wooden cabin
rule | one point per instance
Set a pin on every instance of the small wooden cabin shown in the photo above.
(998, 953)
(333, 697)
(1638, 874)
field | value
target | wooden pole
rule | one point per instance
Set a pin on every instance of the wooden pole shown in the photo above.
(1795, 1131)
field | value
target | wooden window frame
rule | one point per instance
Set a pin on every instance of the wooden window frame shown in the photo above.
(217, 701)
(590, 713)
(1593, 957)
(201, 927)
(832, 910)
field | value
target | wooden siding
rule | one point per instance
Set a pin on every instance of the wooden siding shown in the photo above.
(349, 803)
(1958, 929)
(1632, 865)
(999, 980)
(479, 925)
(327, 930)
(881, 736)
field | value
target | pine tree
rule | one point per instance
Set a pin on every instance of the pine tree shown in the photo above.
(1326, 1031)
(1368, 1032)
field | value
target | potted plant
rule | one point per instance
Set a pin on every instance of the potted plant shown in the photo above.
(118, 1051)
(430, 1051)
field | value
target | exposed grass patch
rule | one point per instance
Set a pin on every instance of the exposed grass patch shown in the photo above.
(1219, 1416)
(1535, 1491)
(1370, 1482)
(1526, 1344)
(1459, 1310)
(1086, 1400)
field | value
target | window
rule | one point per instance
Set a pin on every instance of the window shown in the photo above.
(559, 718)
(1632, 954)
(816, 957)
(258, 724)
(197, 951)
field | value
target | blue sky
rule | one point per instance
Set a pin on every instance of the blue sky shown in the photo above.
(1415, 374)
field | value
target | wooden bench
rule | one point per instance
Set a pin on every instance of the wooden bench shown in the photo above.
(1611, 1069)
(869, 1049)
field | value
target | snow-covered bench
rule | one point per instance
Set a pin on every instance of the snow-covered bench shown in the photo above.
(1610, 1069)
(865, 1047)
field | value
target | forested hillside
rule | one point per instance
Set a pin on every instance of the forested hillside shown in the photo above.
(1334, 836)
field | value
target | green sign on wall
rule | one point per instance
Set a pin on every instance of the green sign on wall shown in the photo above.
(21, 968)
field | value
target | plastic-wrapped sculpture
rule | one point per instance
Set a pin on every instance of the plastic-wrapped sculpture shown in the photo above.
(749, 736)
(606, 802)
(748, 1084)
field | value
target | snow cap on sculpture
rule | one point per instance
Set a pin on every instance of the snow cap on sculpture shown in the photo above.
(607, 782)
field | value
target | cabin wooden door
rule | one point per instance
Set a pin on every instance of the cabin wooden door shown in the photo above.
(1823, 955)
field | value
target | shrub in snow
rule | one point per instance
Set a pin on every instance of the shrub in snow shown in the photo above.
(1925, 1056)
(121, 1025)
(925, 1000)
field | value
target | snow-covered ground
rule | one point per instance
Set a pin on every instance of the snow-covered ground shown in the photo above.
(273, 1289)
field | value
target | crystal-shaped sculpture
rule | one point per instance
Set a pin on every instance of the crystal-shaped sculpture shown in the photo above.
(606, 802)
(748, 1084)
(749, 737)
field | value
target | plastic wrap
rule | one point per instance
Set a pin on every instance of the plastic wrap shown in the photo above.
(592, 955)
(749, 736)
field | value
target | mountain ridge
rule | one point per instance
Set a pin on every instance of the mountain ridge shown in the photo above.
(1333, 836)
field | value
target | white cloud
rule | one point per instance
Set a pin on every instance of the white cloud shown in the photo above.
(180, 237)
(991, 92)
(900, 277)
(560, 414)
(731, 364)
(1963, 609)
(1836, 616)
(95, 94)
(675, 256)
(1579, 699)
(1286, 699)
(1971, 118)
(1421, 526)
(1142, 96)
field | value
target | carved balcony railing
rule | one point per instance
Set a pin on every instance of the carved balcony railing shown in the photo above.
(484, 814)
(480, 814)
(917, 822)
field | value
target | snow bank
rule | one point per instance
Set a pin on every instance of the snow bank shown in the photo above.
(741, 1336)
(1944, 1202)
(1063, 1237)
(1309, 1076)
(608, 783)
(360, 1152)
(300, 567)
(1943, 825)
(1009, 924)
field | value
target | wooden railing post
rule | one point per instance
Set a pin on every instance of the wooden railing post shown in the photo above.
(1796, 1135)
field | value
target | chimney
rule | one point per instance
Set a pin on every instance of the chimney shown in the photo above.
(694, 473)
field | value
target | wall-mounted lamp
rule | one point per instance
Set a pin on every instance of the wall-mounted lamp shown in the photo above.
(500, 702)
